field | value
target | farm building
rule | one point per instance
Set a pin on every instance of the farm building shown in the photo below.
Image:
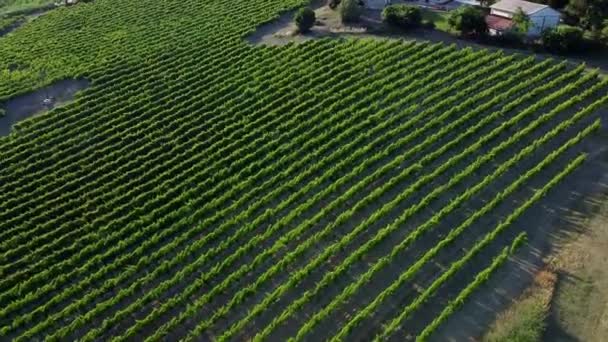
(542, 17)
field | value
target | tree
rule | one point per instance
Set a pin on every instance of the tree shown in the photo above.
(333, 4)
(304, 19)
(589, 13)
(468, 20)
(563, 39)
(350, 10)
(605, 32)
(521, 21)
(402, 16)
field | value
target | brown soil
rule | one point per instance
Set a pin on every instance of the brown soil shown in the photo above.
(565, 215)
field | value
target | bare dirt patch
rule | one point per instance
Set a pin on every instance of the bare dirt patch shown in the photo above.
(328, 24)
(37, 102)
(24, 18)
(579, 310)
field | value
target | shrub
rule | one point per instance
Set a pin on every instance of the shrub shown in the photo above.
(563, 39)
(521, 21)
(350, 10)
(304, 19)
(333, 4)
(510, 38)
(428, 24)
(605, 32)
(402, 16)
(468, 20)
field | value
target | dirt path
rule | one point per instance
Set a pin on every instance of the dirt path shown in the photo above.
(27, 105)
(282, 31)
(26, 18)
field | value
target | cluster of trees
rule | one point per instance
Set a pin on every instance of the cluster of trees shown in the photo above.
(305, 19)
(563, 39)
(402, 16)
(588, 14)
(470, 21)
(350, 11)
(581, 15)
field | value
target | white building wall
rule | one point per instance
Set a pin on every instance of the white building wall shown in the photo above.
(542, 20)
(501, 13)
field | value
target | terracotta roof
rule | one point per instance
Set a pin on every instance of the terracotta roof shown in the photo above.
(498, 23)
(512, 6)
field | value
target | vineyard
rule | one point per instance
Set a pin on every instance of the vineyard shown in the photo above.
(203, 188)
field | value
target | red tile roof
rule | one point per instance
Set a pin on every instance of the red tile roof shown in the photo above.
(498, 23)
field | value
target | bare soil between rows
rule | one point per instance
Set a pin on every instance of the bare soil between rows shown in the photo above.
(549, 224)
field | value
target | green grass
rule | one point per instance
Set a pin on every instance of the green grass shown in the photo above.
(8, 22)
(438, 17)
(525, 320)
(10, 6)
(526, 326)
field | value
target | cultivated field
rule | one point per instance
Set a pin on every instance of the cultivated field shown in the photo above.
(202, 188)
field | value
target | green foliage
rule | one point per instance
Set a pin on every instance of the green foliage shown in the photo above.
(439, 19)
(453, 305)
(304, 19)
(509, 38)
(16, 6)
(518, 242)
(195, 184)
(468, 20)
(526, 324)
(428, 24)
(605, 32)
(589, 13)
(521, 21)
(350, 11)
(8, 22)
(402, 16)
(563, 39)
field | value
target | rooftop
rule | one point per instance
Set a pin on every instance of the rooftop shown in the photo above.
(498, 23)
(513, 5)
